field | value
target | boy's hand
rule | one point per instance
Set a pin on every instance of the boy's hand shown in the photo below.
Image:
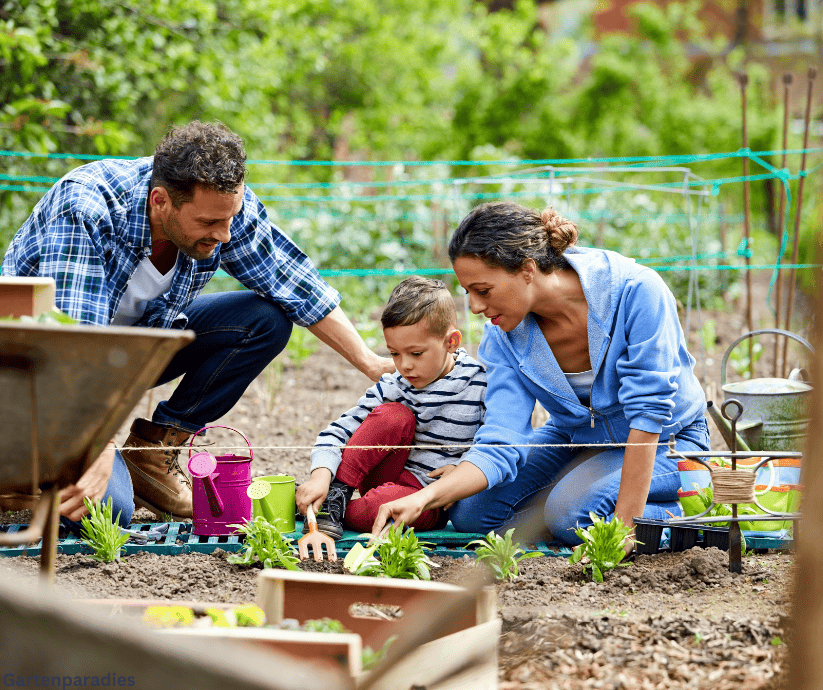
(442, 471)
(314, 491)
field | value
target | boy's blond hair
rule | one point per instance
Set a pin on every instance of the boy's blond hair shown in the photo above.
(417, 298)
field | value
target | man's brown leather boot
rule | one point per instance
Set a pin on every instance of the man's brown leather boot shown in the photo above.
(159, 483)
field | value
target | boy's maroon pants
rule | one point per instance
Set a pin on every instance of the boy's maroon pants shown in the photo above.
(378, 473)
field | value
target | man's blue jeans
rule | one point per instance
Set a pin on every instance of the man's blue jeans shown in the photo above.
(237, 335)
(566, 490)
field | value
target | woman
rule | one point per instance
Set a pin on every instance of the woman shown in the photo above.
(595, 338)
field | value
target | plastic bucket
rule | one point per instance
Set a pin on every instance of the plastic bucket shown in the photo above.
(277, 502)
(230, 480)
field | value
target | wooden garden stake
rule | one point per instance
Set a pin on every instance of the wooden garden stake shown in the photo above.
(796, 240)
(781, 225)
(744, 80)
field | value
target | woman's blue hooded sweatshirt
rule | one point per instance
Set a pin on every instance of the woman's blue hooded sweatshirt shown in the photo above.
(643, 372)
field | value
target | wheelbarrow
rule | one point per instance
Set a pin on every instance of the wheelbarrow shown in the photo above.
(64, 393)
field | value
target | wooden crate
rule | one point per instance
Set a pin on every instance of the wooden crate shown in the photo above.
(461, 656)
(26, 296)
(304, 596)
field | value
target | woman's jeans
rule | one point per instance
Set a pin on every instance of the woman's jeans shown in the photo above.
(573, 483)
(237, 335)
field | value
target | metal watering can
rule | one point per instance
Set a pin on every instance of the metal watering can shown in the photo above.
(775, 414)
(219, 486)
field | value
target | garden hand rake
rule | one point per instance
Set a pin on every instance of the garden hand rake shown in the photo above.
(316, 540)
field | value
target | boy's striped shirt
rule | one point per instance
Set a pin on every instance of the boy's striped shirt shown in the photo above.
(447, 412)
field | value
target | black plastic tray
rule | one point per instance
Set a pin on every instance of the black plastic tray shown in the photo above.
(682, 536)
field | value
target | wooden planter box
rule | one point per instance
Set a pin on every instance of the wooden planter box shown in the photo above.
(462, 657)
(26, 296)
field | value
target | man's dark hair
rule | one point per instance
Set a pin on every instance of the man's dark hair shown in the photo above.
(198, 153)
(418, 298)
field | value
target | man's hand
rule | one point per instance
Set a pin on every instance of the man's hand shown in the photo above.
(314, 491)
(91, 485)
(338, 333)
(381, 365)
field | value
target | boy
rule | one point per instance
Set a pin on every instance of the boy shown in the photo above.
(434, 398)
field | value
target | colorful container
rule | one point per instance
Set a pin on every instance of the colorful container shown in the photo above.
(225, 501)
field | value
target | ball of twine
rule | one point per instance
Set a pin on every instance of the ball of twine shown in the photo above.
(733, 486)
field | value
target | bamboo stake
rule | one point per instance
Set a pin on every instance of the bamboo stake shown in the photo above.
(781, 225)
(796, 240)
(744, 80)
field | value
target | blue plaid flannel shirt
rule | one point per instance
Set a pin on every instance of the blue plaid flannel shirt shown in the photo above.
(91, 230)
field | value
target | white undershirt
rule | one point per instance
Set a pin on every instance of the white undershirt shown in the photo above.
(581, 383)
(145, 284)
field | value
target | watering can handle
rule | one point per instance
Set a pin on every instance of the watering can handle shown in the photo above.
(775, 331)
(220, 426)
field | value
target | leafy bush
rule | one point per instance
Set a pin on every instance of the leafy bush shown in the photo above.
(102, 533)
(602, 545)
(500, 555)
(265, 543)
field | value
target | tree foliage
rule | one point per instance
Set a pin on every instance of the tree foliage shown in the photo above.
(325, 79)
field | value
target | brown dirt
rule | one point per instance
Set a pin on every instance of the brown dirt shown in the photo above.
(664, 621)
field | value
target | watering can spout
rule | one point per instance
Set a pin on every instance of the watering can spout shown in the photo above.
(725, 428)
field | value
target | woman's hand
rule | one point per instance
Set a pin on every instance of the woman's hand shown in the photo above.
(92, 485)
(405, 510)
(314, 491)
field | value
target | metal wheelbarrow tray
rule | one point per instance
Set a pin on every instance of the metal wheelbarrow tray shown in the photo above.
(64, 393)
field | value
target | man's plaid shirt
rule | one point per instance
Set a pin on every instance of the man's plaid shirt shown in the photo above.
(91, 230)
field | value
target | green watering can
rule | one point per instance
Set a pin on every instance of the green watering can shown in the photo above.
(775, 411)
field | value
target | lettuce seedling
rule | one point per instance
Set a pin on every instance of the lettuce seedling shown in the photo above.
(501, 555)
(266, 543)
(101, 533)
(403, 556)
(602, 545)
(399, 555)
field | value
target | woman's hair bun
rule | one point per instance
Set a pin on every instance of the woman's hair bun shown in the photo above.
(562, 232)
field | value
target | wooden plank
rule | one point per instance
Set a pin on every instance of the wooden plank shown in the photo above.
(303, 596)
(805, 659)
(328, 652)
(46, 636)
(26, 296)
(466, 660)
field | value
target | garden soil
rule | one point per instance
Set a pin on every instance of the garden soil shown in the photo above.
(666, 620)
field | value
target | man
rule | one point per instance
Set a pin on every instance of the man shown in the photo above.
(133, 243)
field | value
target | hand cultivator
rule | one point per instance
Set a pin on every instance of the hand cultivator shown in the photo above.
(316, 540)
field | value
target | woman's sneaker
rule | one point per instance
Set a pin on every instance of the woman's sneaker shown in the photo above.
(330, 515)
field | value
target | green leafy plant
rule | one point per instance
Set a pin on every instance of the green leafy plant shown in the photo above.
(740, 361)
(400, 554)
(326, 625)
(602, 545)
(371, 659)
(265, 543)
(501, 555)
(102, 533)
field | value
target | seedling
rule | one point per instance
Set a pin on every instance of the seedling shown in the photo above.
(325, 625)
(371, 659)
(501, 555)
(403, 556)
(399, 555)
(102, 533)
(602, 545)
(266, 543)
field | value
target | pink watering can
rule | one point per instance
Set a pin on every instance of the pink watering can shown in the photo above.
(219, 486)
